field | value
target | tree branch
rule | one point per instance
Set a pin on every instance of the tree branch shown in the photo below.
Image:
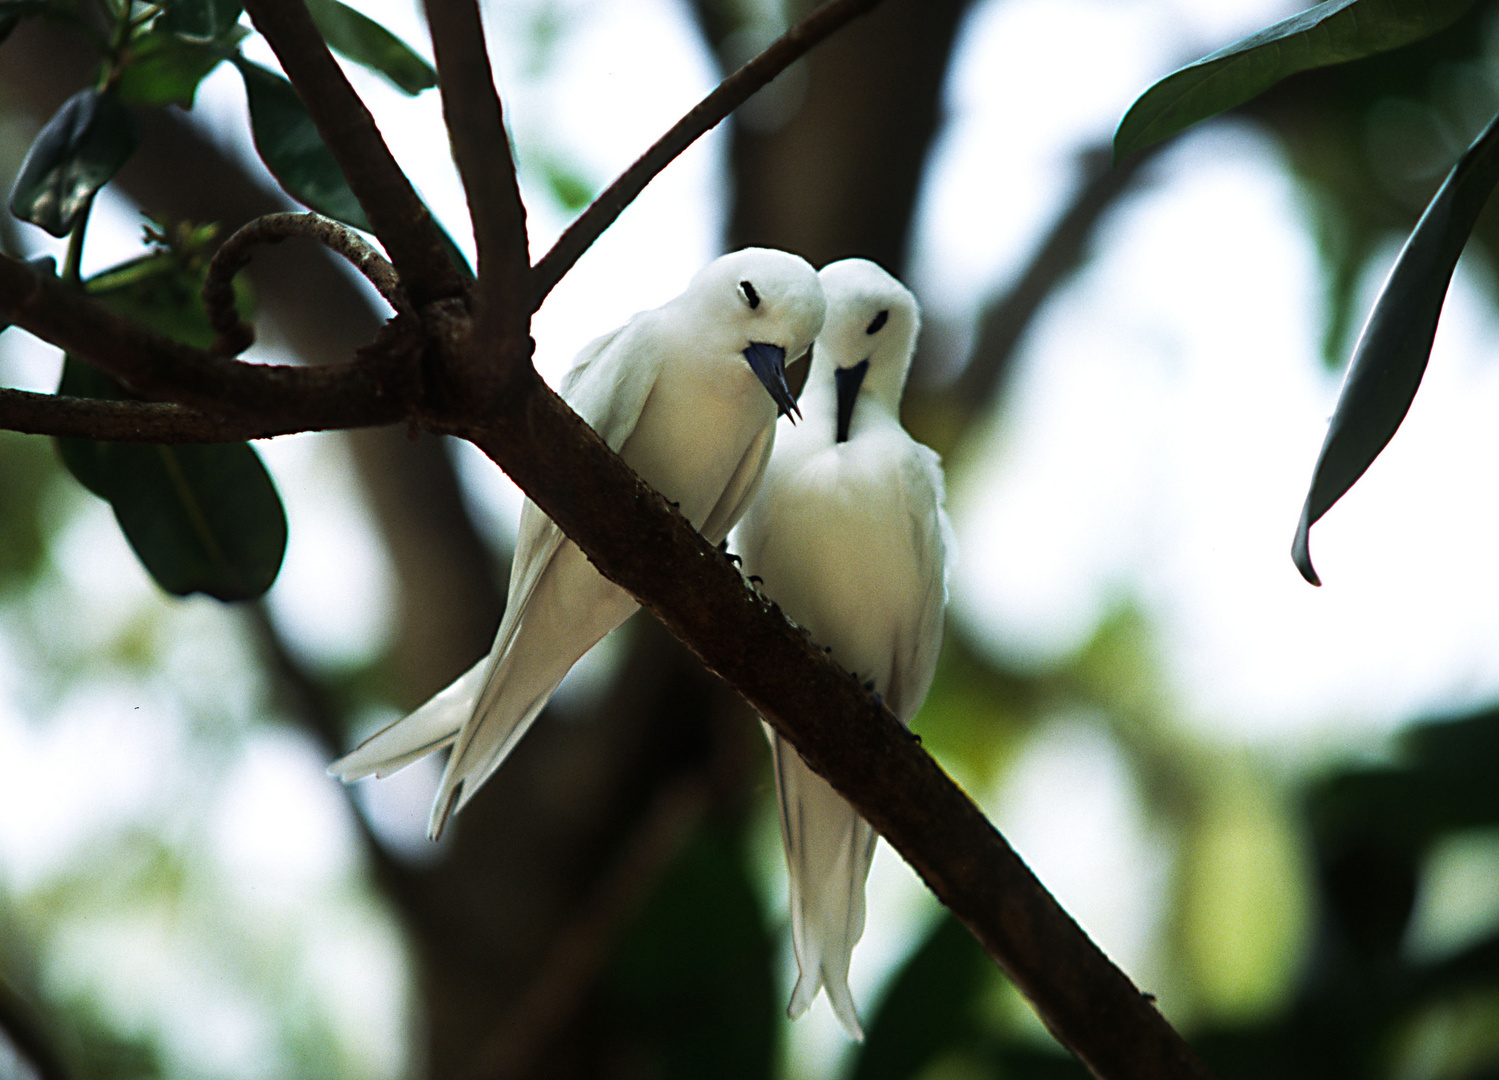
(704, 116)
(638, 541)
(380, 388)
(481, 150)
(233, 255)
(123, 421)
(396, 214)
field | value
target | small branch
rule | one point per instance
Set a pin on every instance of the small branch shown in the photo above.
(481, 150)
(233, 255)
(380, 388)
(308, 703)
(396, 214)
(707, 114)
(160, 422)
(1005, 319)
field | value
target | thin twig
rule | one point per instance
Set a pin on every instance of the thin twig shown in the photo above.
(707, 114)
(234, 334)
(396, 214)
(481, 149)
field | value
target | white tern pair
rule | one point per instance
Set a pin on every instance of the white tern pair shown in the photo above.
(846, 534)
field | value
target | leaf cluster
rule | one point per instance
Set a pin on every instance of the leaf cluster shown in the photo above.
(201, 518)
(1391, 355)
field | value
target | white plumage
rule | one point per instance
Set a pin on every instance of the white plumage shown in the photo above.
(848, 536)
(687, 394)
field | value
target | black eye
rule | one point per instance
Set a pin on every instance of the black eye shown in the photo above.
(750, 295)
(877, 322)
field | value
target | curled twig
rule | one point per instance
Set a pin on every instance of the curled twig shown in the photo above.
(234, 334)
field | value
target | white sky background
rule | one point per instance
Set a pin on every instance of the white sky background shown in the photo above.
(1167, 412)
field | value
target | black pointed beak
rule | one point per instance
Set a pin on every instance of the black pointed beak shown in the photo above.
(768, 362)
(849, 379)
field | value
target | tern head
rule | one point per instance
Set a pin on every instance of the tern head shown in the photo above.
(865, 346)
(766, 306)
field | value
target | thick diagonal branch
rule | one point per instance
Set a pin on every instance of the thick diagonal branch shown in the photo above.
(637, 540)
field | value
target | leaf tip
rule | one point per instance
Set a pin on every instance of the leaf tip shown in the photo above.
(1301, 553)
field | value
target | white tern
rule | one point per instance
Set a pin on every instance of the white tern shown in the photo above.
(849, 537)
(687, 394)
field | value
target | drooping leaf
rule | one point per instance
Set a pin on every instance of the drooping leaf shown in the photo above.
(289, 144)
(79, 150)
(201, 518)
(929, 1008)
(690, 991)
(1392, 352)
(366, 42)
(1329, 33)
(165, 69)
(200, 20)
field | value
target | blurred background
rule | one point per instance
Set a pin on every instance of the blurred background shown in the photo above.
(1274, 806)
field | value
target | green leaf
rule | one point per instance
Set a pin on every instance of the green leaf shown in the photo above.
(165, 69)
(79, 150)
(569, 186)
(201, 518)
(1329, 33)
(1392, 352)
(690, 993)
(929, 1008)
(200, 20)
(366, 42)
(289, 144)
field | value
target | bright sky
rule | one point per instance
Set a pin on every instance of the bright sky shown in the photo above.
(1167, 412)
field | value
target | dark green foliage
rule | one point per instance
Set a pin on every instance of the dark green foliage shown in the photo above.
(26, 466)
(289, 144)
(79, 150)
(1329, 33)
(368, 43)
(1391, 357)
(929, 1009)
(691, 988)
(13, 11)
(165, 69)
(200, 518)
(200, 20)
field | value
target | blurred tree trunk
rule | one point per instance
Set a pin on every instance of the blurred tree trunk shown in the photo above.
(839, 176)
